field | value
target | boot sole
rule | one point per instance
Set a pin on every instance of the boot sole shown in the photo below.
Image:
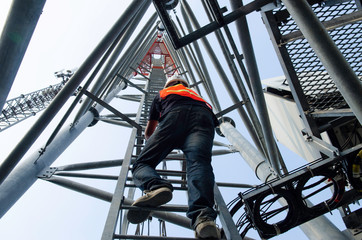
(208, 232)
(138, 215)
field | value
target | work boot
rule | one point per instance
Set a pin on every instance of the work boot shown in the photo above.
(151, 199)
(207, 230)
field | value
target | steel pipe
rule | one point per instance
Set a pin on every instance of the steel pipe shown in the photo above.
(249, 153)
(115, 55)
(26, 173)
(222, 75)
(255, 83)
(15, 37)
(30, 137)
(106, 196)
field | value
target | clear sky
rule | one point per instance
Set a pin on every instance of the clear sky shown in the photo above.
(67, 32)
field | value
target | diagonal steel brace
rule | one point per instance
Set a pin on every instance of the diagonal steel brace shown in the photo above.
(113, 110)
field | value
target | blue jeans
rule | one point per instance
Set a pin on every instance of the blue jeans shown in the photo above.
(190, 128)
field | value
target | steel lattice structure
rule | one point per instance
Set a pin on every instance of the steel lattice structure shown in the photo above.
(318, 44)
(20, 108)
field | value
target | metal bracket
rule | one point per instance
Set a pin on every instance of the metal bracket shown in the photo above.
(195, 84)
(173, 69)
(271, 6)
(140, 73)
(179, 42)
(322, 146)
(353, 222)
(132, 84)
(229, 109)
(47, 173)
(113, 110)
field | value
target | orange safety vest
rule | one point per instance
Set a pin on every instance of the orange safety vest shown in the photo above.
(181, 90)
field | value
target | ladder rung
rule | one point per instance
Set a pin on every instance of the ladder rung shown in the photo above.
(167, 158)
(164, 208)
(171, 172)
(117, 236)
(174, 187)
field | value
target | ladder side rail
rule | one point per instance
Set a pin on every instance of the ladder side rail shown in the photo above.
(176, 58)
(226, 220)
(113, 213)
(186, 65)
(117, 199)
(183, 64)
(131, 191)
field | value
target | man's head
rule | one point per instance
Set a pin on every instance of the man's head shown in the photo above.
(176, 79)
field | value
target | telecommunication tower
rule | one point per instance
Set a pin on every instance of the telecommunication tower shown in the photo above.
(26, 105)
(314, 110)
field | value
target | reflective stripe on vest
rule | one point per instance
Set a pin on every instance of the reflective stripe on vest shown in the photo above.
(181, 90)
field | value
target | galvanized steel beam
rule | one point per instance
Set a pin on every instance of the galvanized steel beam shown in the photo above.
(15, 37)
(26, 173)
(14, 157)
(106, 71)
(106, 196)
(223, 76)
(251, 65)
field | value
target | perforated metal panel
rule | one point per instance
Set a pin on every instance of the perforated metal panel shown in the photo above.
(319, 90)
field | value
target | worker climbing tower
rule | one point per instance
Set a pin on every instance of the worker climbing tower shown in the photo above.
(313, 110)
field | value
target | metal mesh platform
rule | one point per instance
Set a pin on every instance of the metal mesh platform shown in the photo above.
(320, 91)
